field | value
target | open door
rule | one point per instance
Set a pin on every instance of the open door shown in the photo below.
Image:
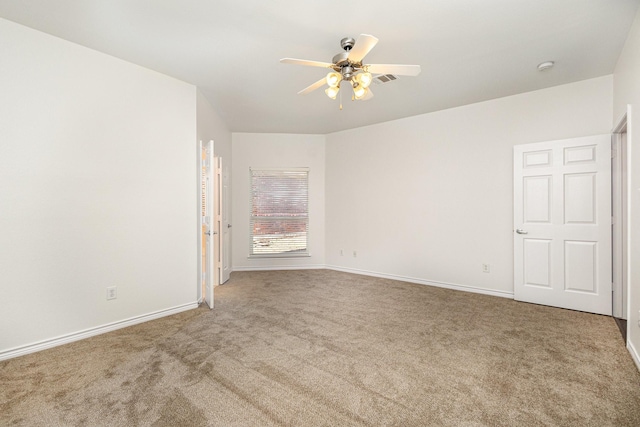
(207, 185)
(562, 223)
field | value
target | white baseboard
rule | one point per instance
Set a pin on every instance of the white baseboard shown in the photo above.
(453, 286)
(634, 354)
(278, 267)
(76, 336)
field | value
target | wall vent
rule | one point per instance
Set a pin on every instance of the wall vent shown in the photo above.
(384, 78)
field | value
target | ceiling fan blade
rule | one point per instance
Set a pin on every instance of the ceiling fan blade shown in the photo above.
(401, 70)
(306, 62)
(313, 87)
(363, 45)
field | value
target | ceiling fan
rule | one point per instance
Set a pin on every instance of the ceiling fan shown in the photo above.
(348, 67)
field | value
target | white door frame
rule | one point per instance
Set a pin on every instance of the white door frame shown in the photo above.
(620, 215)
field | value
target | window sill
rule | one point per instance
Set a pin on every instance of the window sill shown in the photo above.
(279, 256)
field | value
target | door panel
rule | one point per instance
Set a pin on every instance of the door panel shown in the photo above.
(537, 199)
(580, 266)
(562, 223)
(537, 158)
(537, 256)
(576, 155)
(580, 198)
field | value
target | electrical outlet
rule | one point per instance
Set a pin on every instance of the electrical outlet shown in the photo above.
(486, 268)
(112, 292)
(355, 254)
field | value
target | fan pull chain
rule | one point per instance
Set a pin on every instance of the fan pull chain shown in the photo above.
(340, 100)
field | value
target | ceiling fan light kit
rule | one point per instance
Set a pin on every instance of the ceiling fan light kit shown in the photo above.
(347, 66)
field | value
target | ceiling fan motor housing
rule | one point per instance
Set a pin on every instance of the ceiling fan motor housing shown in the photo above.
(347, 43)
(347, 72)
(341, 60)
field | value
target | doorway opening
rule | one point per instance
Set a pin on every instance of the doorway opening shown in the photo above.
(619, 224)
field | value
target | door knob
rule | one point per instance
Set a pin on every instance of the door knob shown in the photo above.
(521, 231)
(228, 225)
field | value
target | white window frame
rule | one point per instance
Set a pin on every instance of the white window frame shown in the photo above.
(304, 253)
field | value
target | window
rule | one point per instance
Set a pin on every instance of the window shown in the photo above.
(279, 212)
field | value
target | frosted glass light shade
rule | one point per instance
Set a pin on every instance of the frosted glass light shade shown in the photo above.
(364, 79)
(333, 79)
(332, 92)
(359, 91)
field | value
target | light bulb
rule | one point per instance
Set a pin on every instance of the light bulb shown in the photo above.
(364, 79)
(333, 79)
(332, 92)
(359, 91)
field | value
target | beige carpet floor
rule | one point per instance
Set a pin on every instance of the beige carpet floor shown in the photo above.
(319, 347)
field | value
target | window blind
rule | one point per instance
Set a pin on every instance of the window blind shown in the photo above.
(279, 217)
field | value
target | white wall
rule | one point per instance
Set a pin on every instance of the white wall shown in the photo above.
(429, 198)
(278, 150)
(97, 189)
(211, 127)
(626, 85)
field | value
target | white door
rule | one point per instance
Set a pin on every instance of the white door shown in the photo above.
(226, 227)
(562, 223)
(207, 226)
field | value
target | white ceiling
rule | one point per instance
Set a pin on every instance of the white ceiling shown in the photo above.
(469, 50)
